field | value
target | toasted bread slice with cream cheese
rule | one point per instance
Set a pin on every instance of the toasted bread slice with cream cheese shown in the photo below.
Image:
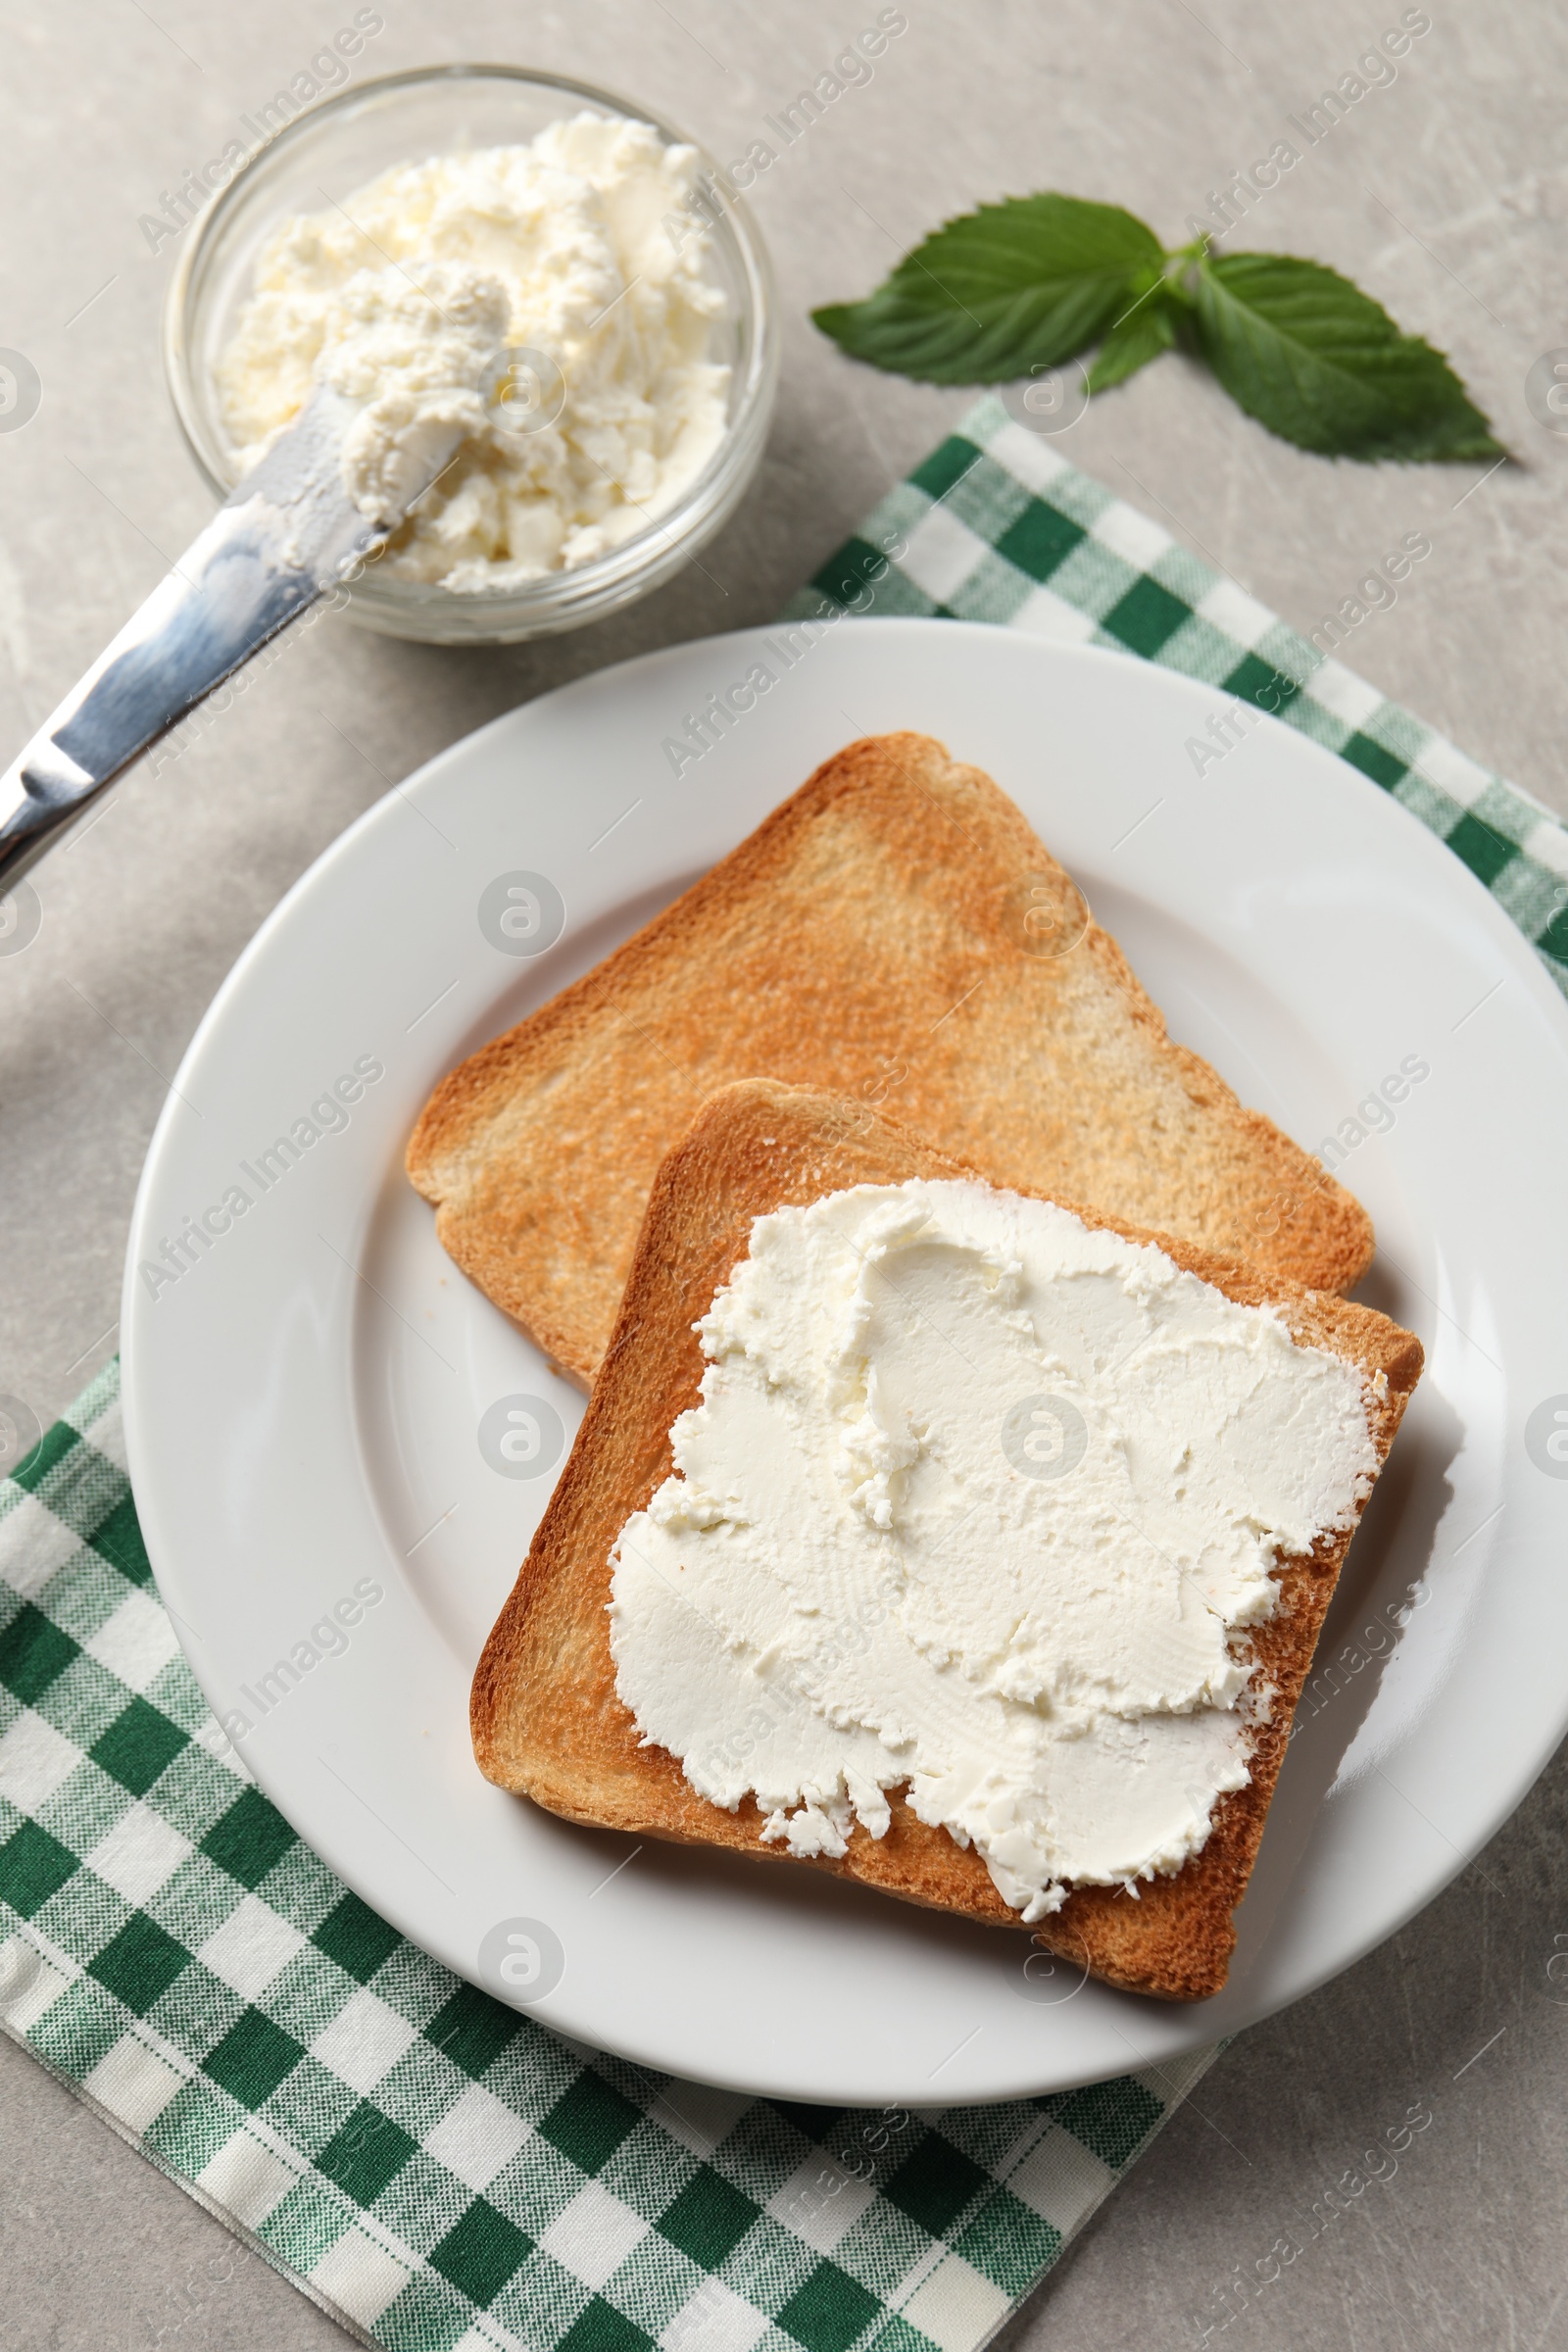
(547, 1720)
(894, 932)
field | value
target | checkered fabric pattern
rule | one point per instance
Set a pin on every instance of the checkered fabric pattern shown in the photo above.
(437, 2170)
(995, 525)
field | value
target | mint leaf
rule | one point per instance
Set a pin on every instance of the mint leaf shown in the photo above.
(1135, 339)
(1324, 365)
(997, 292)
(1015, 288)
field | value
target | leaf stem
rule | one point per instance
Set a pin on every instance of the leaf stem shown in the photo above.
(1176, 265)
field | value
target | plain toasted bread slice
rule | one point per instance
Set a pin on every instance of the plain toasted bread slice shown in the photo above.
(886, 934)
(547, 1721)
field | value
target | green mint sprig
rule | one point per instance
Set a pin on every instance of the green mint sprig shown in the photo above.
(1023, 286)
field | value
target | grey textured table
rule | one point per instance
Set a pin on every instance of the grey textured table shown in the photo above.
(1443, 192)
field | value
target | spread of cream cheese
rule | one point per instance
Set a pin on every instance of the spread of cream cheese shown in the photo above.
(978, 1502)
(535, 296)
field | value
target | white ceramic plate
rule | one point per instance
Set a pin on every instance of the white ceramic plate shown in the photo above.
(306, 1400)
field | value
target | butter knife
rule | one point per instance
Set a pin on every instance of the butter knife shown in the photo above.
(286, 535)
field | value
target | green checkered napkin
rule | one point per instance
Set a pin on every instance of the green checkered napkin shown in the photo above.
(436, 2168)
(997, 526)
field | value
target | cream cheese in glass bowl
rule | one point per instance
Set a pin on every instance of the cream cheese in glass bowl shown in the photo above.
(547, 265)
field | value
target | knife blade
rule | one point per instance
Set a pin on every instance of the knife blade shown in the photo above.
(286, 535)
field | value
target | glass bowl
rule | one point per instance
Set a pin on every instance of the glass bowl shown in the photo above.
(333, 150)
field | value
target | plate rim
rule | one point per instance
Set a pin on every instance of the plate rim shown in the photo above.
(1521, 959)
